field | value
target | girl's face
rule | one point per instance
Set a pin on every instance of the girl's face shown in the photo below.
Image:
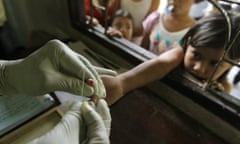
(124, 25)
(201, 62)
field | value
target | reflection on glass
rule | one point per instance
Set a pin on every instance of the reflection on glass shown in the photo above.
(16, 110)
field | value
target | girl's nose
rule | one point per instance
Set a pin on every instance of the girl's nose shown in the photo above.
(200, 68)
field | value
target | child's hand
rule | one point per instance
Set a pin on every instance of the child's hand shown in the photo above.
(216, 86)
(113, 32)
(113, 87)
(92, 20)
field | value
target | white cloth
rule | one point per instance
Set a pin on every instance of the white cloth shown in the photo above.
(138, 10)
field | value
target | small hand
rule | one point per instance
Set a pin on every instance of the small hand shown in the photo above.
(217, 86)
(98, 120)
(114, 32)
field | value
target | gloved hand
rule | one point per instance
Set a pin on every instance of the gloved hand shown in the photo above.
(98, 120)
(52, 67)
(83, 123)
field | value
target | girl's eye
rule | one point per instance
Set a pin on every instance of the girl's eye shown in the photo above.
(196, 56)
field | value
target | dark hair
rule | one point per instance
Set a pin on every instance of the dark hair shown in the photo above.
(120, 13)
(198, 1)
(211, 31)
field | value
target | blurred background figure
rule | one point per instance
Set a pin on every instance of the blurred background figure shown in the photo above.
(121, 25)
(139, 9)
(163, 29)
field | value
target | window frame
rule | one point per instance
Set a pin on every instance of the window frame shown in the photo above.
(221, 104)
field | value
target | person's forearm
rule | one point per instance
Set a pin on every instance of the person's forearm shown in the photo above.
(151, 70)
(154, 6)
(145, 41)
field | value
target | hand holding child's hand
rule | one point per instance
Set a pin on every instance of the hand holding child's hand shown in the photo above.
(85, 122)
(52, 67)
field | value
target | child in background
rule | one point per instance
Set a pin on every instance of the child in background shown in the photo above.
(121, 25)
(139, 9)
(202, 47)
(161, 31)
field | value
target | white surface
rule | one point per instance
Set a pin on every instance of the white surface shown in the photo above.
(67, 98)
(235, 88)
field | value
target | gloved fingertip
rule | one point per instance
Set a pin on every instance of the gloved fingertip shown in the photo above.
(113, 73)
(104, 71)
(101, 94)
(85, 90)
(102, 103)
(85, 107)
(89, 113)
(103, 109)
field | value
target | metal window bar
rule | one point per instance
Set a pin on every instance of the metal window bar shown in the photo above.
(227, 40)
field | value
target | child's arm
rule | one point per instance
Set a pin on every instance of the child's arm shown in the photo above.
(148, 24)
(145, 40)
(154, 6)
(142, 74)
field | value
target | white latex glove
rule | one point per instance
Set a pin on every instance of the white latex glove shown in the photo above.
(82, 124)
(52, 67)
(99, 126)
